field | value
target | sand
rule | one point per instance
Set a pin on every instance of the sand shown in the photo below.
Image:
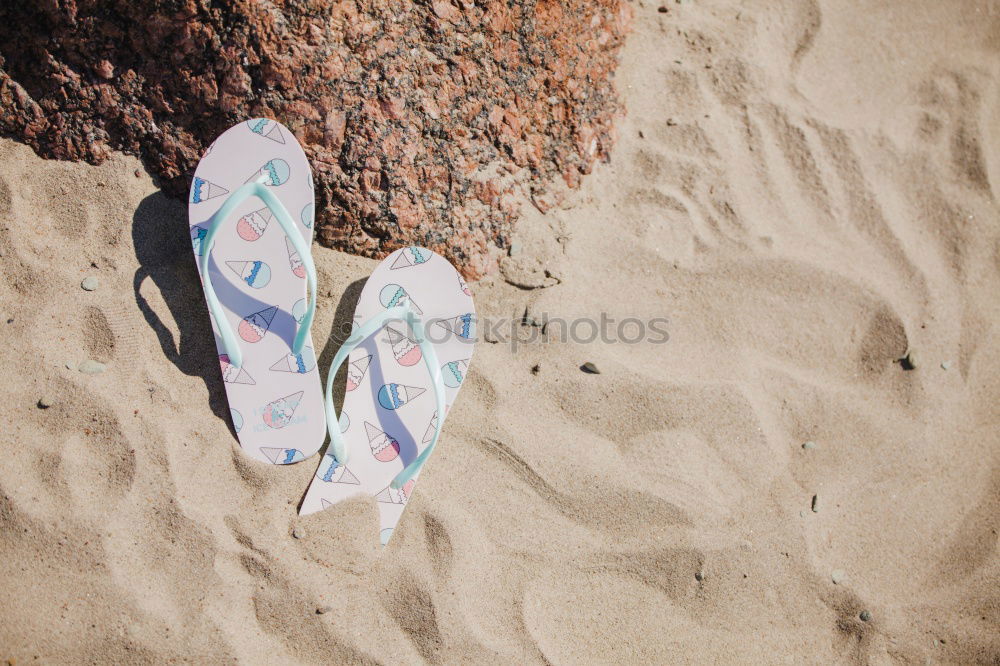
(806, 190)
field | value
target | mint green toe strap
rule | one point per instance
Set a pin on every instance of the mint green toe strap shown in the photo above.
(259, 190)
(363, 332)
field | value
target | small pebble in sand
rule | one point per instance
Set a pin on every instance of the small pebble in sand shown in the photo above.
(809, 445)
(298, 533)
(699, 576)
(590, 368)
(515, 248)
(945, 365)
(815, 504)
(137, 173)
(92, 367)
(89, 283)
(323, 610)
(909, 362)
(865, 616)
(70, 365)
(662, 9)
(536, 368)
(45, 402)
(838, 576)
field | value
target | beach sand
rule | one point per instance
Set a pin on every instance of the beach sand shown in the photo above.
(806, 190)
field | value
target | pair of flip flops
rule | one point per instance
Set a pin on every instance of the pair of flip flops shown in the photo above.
(251, 213)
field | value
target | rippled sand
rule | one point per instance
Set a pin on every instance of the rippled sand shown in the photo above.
(805, 189)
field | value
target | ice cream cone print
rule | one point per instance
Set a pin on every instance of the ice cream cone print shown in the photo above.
(202, 190)
(400, 496)
(410, 256)
(393, 295)
(255, 326)
(429, 433)
(276, 172)
(325, 503)
(266, 128)
(237, 419)
(308, 215)
(464, 286)
(356, 372)
(294, 260)
(255, 273)
(299, 310)
(394, 396)
(233, 375)
(280, 456)
(384, 447)
(404, 349)
(251, 226)
(454, 372)
(330, 471)
(464, 326)
(279, 413)
(385, 535)
(197, 234)
(299, 363)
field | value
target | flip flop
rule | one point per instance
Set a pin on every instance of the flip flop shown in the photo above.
(407, 355)
(251, 215)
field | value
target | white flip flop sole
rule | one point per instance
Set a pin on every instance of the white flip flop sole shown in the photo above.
(389, 414)
(275, 396)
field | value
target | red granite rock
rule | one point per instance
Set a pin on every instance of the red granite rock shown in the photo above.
(423, 120)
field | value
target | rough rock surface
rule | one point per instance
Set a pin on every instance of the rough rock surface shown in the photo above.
(422, 119)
